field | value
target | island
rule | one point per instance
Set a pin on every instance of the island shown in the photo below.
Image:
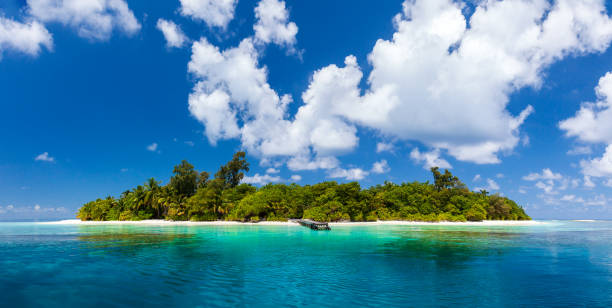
(193, 196)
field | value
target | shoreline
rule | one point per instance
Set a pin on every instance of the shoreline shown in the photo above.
(156, 222)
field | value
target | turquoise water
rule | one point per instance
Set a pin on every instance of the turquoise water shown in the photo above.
(555, 264)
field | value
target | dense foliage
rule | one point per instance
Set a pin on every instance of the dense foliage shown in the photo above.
(191, 195)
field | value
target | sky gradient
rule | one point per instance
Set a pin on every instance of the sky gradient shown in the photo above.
(97, 96)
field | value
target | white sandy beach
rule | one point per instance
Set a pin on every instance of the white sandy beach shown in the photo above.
(154, 222)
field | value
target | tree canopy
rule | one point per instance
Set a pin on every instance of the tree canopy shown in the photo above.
(191, 195)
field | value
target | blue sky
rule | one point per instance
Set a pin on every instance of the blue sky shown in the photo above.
(95, 98)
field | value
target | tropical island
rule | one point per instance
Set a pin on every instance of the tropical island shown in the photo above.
(193, 196)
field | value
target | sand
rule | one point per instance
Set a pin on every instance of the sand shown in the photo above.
(154, 222)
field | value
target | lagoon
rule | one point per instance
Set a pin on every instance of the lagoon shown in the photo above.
(555, 263)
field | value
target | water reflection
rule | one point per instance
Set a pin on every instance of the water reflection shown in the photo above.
(449, 248)
(112, 239)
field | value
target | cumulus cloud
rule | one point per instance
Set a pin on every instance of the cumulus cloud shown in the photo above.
(45, 157)
(427, 84)
(172, 33)
(384, 147)
(593, 122)
(572, 198)
(261, 179)
(152, 147)
(28, 38)
(462, 73)
(352, 174)
(546, 174)
(272, 171)
(215, 13)
(549, 182)
(580, 150)
(429, 159)
(301, 162)
(491, 186)
(599, 167)
(296, 177)
(231, 83)
(29, 212)
(476, 178)
(380, 167)
(92, 19)
(273, 24)
(588, 183)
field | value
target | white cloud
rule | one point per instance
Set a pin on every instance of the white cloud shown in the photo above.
(427, 84)
(44, 157)
(489, 61)
(296, 177)
(300, 162)
(152, 147)
(261, 179)
(588, 183)
(27, 38)
(572, 198)
(596, 200)
(599, 167)
(549, 182)
(231, 83)
(429, 159)
(213, 110)
(215, 13)
(353, 174)
(172, 33)
(546, 174)
(593, 122)
(273, 24)
(92, 19)
(189, 143)
(499, 175)
(380, 167)
(272, 171)
(491, 186)
(30, 212)
(580, 150)
(476, 178)
(384, 147)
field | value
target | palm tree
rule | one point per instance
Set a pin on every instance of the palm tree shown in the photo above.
(151, 195)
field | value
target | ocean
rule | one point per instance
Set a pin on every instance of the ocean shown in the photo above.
(556, 263)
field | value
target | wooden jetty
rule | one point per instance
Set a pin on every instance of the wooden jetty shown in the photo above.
(314, 225)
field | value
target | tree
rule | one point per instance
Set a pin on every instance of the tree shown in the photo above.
(190, 195)
(203, 179)
(446, 180)
(231, 173)
(185, 179)
(152, 189)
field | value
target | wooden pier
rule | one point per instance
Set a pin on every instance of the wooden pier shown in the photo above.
(314, 225)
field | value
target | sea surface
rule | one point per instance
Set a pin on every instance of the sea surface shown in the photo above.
(558, 263)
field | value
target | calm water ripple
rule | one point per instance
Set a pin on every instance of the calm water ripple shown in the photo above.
(554, 264)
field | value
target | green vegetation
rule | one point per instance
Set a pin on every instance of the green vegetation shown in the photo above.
(191, 195)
